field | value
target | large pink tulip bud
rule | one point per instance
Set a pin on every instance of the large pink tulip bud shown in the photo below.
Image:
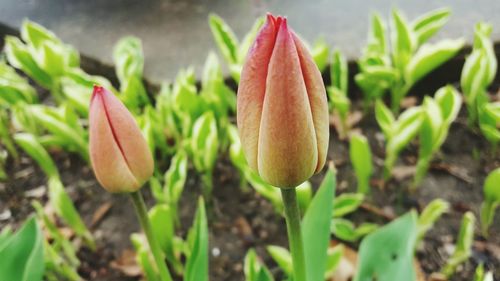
(282, 108)
(120, 156)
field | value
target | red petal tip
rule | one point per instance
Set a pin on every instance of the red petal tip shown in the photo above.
(98, 90)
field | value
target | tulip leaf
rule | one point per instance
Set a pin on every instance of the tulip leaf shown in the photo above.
(463, 247)
(491, 190)
(35, 150)
(316, 230)
(144, 259)
(197, 261)
(345, 230)
(339, 72)
(429, 57)
(347, 203)
(432, 212)
(320, 53)
(361, 159)
(428, 24)
(385, 118)
(282, 257)
(403, 40)
(387, 253)
(14, 88)
(334, 258)
(18, 55)
(254, 269)
(224, 38)
(23, 254)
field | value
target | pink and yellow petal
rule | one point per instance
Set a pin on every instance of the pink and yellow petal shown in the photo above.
(287, 152)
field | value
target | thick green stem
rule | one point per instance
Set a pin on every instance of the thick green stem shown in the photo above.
(292, 215)
(140, 208)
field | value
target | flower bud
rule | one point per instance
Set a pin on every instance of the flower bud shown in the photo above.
(120, 156)
(282, 118)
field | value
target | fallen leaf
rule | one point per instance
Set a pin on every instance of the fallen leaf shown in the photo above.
(127, 264)
(408, 102)
(436, 276)
(456, 171)
(403, 172)
(37, 192)
(386, 213)
(100, 213)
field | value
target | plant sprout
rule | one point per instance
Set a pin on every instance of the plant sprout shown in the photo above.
(338, 92)
(491, 191)
(438, 113)
(411, 58)
(463, 247)
(361, 159)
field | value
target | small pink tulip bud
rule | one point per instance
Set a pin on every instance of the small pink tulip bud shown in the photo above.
(282, 108)
(120, 156)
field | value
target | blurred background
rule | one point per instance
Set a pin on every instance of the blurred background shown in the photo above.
(176, 34)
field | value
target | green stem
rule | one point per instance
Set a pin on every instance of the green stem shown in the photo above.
(140, 208)
(292, 215)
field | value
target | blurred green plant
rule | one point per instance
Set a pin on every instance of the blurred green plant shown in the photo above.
(463, 247)
(478, 72)
(338, 92)
(411, 58)
(59, 198)
(361, 159)
(439, 112)
(22, 252)
(491, 201)
(387, 253)
(398, 133)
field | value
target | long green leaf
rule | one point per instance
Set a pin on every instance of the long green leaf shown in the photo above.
(316, 228)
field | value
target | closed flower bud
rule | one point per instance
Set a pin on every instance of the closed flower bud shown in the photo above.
(282, 117)
(120, 156)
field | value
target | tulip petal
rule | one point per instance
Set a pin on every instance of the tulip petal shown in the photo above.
(287, 154)
(108, 162)
(129, 138)
(252, 89)
(317, 99)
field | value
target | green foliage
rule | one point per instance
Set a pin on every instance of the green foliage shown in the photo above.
(197, 259)
(204, 147)
(315, 228)
(129, 62)
(345, 230)
(334, 257)
(411, 58)
(347, 203)
(398, 133)
(232, 51)
(491, 192)
(463, 247)
(387, 254)
(59, 198)
(338, 92)
(61, 261)
(361, 159)
(480, 275)
(254, 269)
(438, 113)
(51, 63)
(478, 72)
(14, 88)
(282, 257)
(432, 212)
(22, 253)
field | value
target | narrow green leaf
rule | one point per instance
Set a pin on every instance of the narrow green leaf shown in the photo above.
(430, 23)
(432, 212)
(254, 269)
(339, 72)
(197, 262)
(316, 230)
(282, 257)
(463, 247)
(429, 57)
(385, 118)
(347, 203)
(224, 38)
(361, 159)
(387, 254)
(35, 150)
(403, 41)
(23, 254)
